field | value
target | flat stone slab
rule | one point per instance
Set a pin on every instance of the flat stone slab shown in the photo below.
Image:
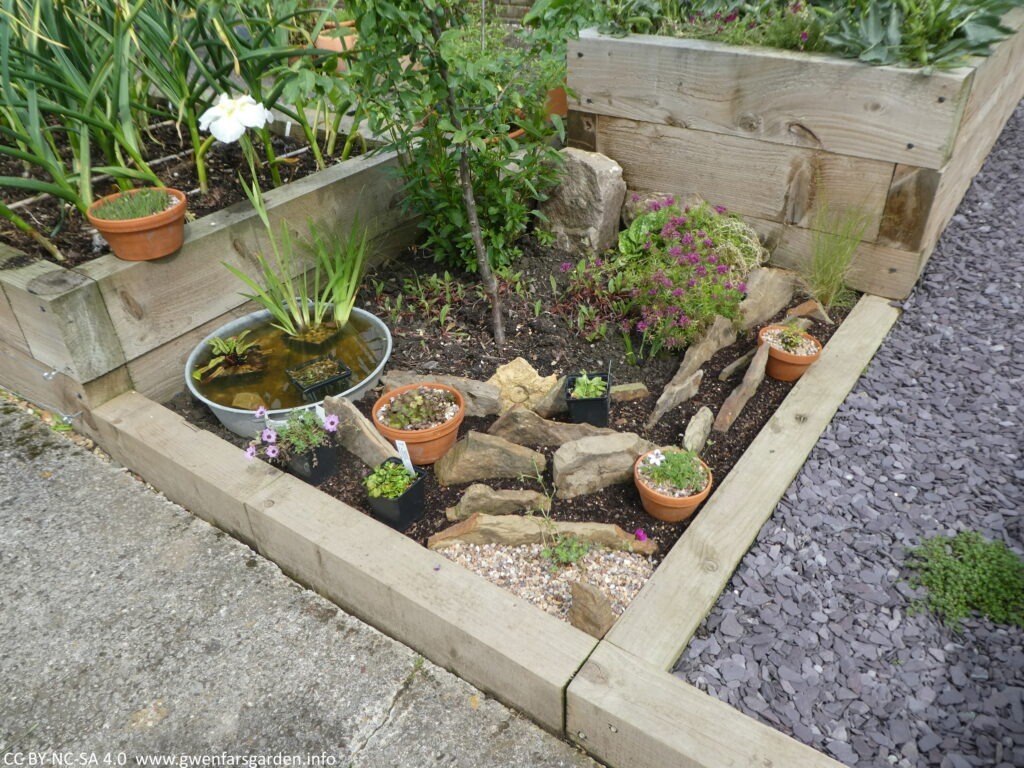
(624, 393)
(524, 427)
(592, 463)
(482, 498)
(515, 530)
(482, 399)
(482, 457)
(161, 633)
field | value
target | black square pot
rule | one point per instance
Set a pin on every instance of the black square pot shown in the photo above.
(317, 465)
(402, 512)
(589, 410)
(314, 393)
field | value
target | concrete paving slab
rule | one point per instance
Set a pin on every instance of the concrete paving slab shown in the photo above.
(128, 625)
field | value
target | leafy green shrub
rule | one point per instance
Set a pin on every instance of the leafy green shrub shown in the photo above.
(965, 573)
(389, 480)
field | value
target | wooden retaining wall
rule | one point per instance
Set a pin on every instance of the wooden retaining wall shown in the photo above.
(777, 135)
(109, 325)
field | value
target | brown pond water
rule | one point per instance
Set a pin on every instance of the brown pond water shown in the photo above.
(360, 345)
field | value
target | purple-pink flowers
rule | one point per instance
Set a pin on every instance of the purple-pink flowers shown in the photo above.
(268, 435)
(640, 534)
(272, 451)
(331, 423)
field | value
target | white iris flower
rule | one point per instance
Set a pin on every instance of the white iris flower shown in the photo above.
(228, 118)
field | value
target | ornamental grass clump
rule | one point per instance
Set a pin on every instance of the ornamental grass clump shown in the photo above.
(419, 408)
(134, 205)
(674, 472)
(682, 267)
(302, 432)
(964, 574)
(389, 480)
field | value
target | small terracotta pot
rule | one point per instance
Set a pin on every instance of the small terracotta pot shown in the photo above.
(425, 445)
(783, 365)
(671, 509)
(340, 44)
(558, 102)
(146, 238)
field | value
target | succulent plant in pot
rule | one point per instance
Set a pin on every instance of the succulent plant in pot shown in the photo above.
(396, 495)
(425, 416)
(791, 351)
(141, 224)
(304, 444)
(672, 483)
(589, 398)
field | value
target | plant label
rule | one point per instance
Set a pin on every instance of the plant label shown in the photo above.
(403, 452)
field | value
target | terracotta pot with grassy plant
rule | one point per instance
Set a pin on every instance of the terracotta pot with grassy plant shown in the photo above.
(790, 351)
(672, 483)
(141, 224)
(426, 416)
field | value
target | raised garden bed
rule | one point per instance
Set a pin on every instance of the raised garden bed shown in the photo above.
(72, 338)
(798, 131)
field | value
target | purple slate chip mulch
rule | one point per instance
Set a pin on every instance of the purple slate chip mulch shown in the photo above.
(812, 635)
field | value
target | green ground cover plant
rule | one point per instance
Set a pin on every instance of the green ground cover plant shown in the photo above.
(966, 573)
(389, 480)
(145, 202)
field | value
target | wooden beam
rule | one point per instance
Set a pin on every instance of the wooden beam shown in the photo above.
(10, 328)
(770, 181)
(61, 315)
(781, 97)
(629, 714)
(660, 621)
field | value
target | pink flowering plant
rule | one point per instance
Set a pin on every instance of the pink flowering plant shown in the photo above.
(683, 266)
(302, 432)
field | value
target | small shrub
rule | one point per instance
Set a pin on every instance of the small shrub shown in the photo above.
(965, 573)
(389, 480)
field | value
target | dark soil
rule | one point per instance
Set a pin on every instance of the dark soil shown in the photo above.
(464, 347)
(71, 232)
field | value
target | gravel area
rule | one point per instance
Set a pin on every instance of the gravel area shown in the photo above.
(524, 572)
(812, 635)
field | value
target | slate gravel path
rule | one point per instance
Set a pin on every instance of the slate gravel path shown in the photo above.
(812, 636)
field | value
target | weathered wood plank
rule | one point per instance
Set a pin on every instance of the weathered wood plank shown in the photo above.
(61, 315)
(908, 207)
(876, 269)
(10, 328)
(484, 634)
(206, 475)
(770, 181)
(630, 714)
(27, 377)
(581, 131)
(152, 303)
(782, 97)
(661, 620)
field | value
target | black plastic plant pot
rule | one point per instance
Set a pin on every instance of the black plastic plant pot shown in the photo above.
(316, 391)
(589, 410)
(317, 465)
(402, 512)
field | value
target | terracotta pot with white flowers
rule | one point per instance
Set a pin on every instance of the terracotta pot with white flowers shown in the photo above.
(672, 483)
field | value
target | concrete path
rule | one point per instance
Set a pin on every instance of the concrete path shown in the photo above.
(129, 626)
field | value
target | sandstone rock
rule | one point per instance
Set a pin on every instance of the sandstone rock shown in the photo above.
(812, 309)
(592, 463)
(802, 323)
(583, 211)
(520, 384)
(720, 334)
(590, 610)
(675, 393)
(553, 403)
(733, 405)
(484, 499)
(737, 365)
(769, 291)
(248, 401)
(357, 434)
(623, 393)
(525, 427)
(698, 429)
(482, 399)
(481, 457)
(636, 203)
(516, 530)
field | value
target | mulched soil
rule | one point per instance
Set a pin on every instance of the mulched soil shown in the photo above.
(813, 636)
(546, 342)
(74, 236)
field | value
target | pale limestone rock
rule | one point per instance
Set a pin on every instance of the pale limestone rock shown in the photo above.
(357, 434)
(624, 393)
(486, 500)
(698, 429)
(592, 463)
(553, 403)
(481, 457)
(769, 291)
(583, 210)
(520, 384)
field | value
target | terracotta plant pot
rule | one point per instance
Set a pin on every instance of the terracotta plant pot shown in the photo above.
(558, 102)
(783, 365)
(146, 238)
(425, 445)
(338, 43)
(671, 509)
